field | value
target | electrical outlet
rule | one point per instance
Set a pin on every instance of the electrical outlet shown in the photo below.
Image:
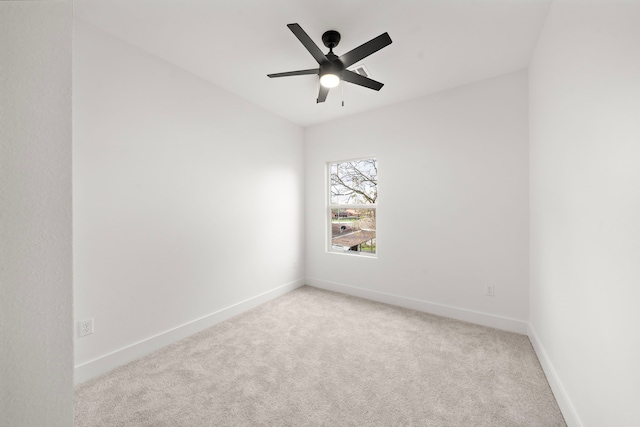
(85, 327)
(489, 291)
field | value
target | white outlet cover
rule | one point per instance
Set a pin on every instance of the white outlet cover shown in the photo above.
(85, 327)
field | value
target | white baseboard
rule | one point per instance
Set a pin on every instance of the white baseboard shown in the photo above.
(103, 364)
(479, 318)
(568, 411)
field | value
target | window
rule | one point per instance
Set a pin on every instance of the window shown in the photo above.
(353, 194)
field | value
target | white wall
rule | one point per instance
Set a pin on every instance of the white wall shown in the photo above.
(453, 202)
(585, 209)
(188, 202)
(36, 344)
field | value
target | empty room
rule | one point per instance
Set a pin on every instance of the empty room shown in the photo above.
(192, 191)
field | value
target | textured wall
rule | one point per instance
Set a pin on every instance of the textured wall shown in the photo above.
(585, 208)
(36, 347)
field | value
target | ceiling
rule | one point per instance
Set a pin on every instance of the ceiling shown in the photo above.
(437, 44)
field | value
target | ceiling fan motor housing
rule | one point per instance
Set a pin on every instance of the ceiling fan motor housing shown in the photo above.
(332, 66)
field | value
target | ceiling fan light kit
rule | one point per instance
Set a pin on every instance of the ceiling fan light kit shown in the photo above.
(329, 80)
(333, 68)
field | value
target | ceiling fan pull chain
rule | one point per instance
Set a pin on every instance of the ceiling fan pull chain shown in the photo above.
(342, 94)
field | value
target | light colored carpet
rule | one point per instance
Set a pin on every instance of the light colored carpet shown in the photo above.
(318, 358)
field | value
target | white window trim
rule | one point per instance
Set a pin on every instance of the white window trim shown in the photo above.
(330, 206)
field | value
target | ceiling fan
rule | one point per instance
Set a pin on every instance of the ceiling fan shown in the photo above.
(333, 68)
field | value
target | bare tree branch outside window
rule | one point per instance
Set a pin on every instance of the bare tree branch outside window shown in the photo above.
(354, 182)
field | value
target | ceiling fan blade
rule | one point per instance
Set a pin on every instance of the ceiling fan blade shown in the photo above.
(355, 78)
(365, 50)
(304, 38)
(295, 73)
(322, 94)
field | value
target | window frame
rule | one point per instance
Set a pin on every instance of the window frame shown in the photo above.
(330, 207)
